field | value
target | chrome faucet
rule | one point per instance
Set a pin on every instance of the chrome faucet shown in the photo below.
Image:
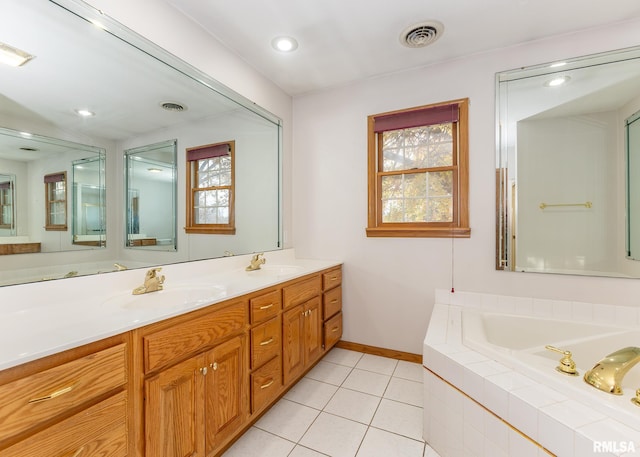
(608, 373)
(152, 282)
(256, 261)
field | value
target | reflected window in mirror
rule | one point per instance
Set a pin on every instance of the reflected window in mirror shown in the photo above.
(418, 172)
(56, 201)
(151, 177)
(210, 193)
(7, 207)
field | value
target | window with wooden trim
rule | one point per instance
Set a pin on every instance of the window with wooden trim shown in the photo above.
(418, 172)
(55, 189)
(210, 189)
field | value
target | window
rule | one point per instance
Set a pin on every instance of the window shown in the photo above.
(418, 172)
(55, 188)
(210, 192)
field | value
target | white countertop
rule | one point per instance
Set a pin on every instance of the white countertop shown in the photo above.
(40, 319)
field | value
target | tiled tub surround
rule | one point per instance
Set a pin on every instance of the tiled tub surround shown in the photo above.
(499, 402)
(40, 319)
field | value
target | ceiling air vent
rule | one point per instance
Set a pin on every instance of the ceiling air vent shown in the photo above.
(422, 34)
(172, 106)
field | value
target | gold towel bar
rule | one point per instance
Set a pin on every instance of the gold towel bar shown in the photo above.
(547, 205)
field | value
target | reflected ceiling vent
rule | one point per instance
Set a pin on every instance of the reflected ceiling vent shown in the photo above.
(24, 148)
(422, 34)
(173, 106)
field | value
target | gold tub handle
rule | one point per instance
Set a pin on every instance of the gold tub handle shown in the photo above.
(567, 365)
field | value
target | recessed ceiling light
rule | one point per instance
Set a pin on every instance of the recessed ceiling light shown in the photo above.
(84, 112)
(284, 44)
(557, 81)
(13, 56)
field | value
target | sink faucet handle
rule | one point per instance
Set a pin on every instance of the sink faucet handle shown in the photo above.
(567, 365)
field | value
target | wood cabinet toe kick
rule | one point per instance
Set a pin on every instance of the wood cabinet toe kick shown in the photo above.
(187, 385)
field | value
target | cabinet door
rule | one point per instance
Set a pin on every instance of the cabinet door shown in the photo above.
(292, 343)
(312, 331)
(227, 396)
(174, 417)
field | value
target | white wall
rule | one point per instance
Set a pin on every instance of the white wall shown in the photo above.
(388, 282)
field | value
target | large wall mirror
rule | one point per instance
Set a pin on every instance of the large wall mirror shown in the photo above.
(562, 169)
(94, 83)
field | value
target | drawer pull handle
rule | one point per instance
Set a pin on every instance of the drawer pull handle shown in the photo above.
(79, 452)
(270, 305)
(53, 395)
(265, 342)
(264, 386)
(335, 300)
(335, 329)
(334, 278)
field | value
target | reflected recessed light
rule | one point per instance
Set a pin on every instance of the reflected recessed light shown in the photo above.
(13, 56)
(557, 81)
(154, 170)
(84, 112)
(284, 44)
(557, 64)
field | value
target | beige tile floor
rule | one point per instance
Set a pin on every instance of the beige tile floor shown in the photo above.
(349, 405)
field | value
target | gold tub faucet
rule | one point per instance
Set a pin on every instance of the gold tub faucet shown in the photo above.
(256, 261)
(152, 282)
(608, 373)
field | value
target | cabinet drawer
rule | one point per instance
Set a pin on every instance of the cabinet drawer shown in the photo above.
(302, 291)
(97, 431)
(332, 279)
(266, 383)
(332, 331)
(165, 346)
(34, 399)
(265, 341)
(265, 306)
(332, 302)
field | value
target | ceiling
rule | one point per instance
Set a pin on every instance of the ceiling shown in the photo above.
(341, 41)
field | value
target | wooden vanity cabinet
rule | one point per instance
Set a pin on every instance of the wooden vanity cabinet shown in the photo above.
(266, 348)
(195, 405)
(72, 403)
(331, 307)
(184, 386)
(301, 327)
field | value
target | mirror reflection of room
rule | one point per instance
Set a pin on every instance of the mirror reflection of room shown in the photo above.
(562, 167)
(151, 196)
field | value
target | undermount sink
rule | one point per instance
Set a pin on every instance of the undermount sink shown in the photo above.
(170, 297)
(276, 270)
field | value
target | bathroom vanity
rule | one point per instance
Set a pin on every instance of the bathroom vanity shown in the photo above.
(180, 380)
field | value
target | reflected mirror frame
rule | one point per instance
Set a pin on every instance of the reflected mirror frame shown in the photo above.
(129, 209)
(8, 199)
(505, 206)
(76, 203)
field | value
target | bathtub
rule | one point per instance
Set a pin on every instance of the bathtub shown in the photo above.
(491, 387)
(519, 343)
